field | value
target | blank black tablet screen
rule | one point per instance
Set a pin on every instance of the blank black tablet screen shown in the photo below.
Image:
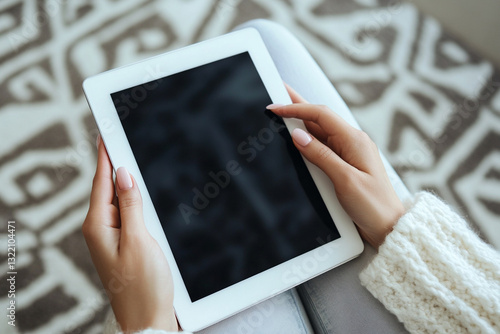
(232, 193)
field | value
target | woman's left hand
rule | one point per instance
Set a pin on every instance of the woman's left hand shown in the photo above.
(130, 263)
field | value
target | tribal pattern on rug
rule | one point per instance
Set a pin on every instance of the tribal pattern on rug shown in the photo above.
(431, 105)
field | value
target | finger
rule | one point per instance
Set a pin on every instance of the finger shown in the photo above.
(320, 155)
(103, 189)
(313, 128)
(100, 225)
(130, 204)
(316, 131)
(296, 98)
(330, 122)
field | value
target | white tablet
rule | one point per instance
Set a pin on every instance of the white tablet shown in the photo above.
(239, 214)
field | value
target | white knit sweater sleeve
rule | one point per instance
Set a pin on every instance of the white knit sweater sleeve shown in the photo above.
(435, 274)
(111, 326)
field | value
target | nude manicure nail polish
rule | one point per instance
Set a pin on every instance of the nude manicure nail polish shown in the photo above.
(301, 137)
(274, 106)
(123, 179)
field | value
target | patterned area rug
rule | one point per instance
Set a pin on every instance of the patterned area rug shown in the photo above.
(429, 102)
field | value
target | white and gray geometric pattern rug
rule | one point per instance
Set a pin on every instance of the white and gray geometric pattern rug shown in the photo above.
(429, 102)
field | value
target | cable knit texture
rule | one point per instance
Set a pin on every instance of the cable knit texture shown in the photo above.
(435, 274)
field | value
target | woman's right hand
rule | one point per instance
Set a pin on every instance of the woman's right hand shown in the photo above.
(352, 161)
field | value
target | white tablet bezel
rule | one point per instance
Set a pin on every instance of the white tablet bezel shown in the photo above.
(224, 303)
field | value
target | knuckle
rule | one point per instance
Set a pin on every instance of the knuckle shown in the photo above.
(324, 153)
(87, 231)
(95, 180)
(323, 108)
(322, 111)
(364, 137)
(371, 144)
(129, 202)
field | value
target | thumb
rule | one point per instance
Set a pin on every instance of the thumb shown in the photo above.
(320, 155)
(130, 203)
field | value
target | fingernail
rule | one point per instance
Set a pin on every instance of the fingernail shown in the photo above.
(301, 137)
(274, 106)
(98, 140)
(123, 179)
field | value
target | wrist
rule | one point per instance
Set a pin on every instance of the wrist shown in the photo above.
(157, 320)
(378, 231)
(164, 321)
(388, 225)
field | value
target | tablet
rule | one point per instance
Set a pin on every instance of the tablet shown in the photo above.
(238, 212)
